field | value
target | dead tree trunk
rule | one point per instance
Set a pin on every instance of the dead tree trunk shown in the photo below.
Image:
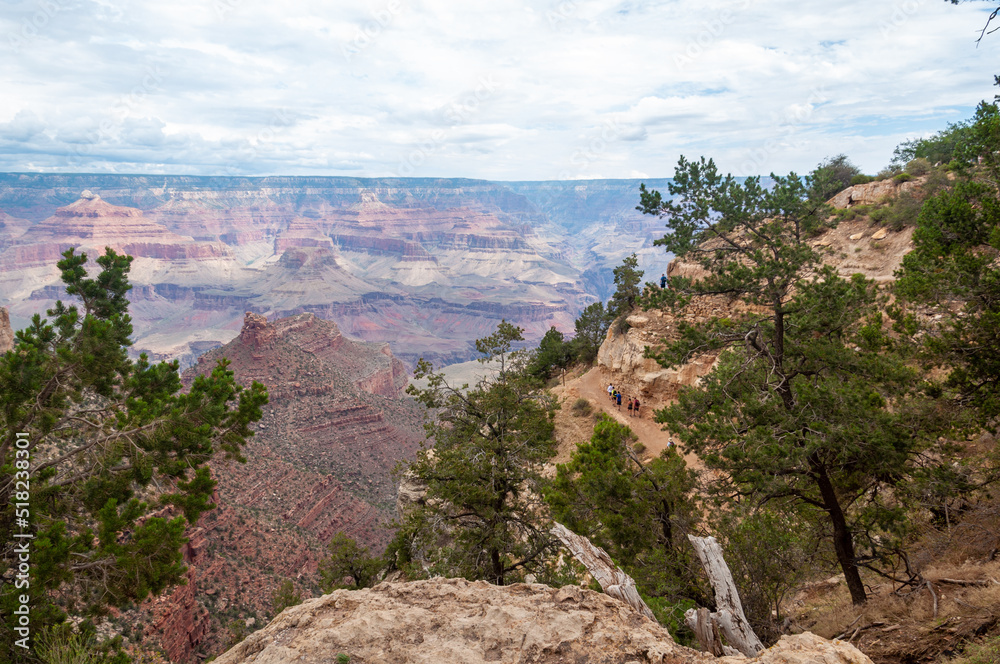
(706, 631)
(613, 580)
(729, 614)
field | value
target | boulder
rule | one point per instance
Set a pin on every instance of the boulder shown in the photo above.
(871, 193)
(454, 620)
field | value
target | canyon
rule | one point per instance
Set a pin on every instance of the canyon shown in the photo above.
(320, 463)
(427, 265)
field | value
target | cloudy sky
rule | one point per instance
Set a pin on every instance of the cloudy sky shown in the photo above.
(501, 89)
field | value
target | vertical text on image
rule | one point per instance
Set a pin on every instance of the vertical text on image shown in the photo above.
(23, 536)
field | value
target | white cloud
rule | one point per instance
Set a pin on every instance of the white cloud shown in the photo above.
(537, 89)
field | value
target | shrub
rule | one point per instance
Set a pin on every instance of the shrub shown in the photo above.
(639, 447)
(902, 177)
(862, 179)
(348, 561)
(581, 407)
(832, 176)
(903, 211)
(851, 213)
(880, 215)
(899, 213)
(888, 172)
(285, 596)
(670, 614)
(918, 166)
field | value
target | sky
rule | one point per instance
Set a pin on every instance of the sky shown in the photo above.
(500, 90)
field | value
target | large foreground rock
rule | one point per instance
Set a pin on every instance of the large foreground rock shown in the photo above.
(444, 621)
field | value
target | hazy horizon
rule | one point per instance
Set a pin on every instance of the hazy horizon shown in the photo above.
(532, 91)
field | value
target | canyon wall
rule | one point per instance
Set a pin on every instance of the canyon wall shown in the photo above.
(426, 265)
(320, 463)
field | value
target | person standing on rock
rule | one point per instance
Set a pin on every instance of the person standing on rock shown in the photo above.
(663, 281)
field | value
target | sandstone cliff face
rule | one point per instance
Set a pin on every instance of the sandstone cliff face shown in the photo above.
(622, 355)
(453, 620)
(6, 333)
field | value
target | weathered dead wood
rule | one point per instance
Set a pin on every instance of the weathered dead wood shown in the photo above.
(853, 623)
(934, 595)
(864, 628)
(964, 582)
(613, 580)
(729, 614)
(706, 631)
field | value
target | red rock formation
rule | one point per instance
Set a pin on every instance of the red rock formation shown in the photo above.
(93, 223)
(181, 621)
(427, 266)
(319, 464)
(256, 333)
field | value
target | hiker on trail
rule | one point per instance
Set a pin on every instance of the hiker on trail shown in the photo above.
(611, 390)
(630, 407)
(619, 399)
(637, 406)
(663, 281)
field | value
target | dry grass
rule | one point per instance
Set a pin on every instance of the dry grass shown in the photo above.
(897, 627)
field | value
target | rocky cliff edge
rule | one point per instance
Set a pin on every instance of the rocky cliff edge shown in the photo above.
(6, 333)
(454, 620)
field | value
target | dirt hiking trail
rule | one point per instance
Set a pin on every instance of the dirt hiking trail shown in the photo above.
(593, 386)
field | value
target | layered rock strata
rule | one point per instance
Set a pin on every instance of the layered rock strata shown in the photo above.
(428, 265)
(319, 464)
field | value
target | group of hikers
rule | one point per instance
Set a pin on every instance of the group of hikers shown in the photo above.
(616, 398)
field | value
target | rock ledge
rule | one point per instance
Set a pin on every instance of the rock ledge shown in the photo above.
(454, 620)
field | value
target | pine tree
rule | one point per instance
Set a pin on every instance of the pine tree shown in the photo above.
(483, 474)
(809, 405)
(91, 443)
(640, 513)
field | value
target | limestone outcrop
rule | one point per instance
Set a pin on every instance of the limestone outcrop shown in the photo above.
(623, 354)
(256, 333)
(6, 333)
(454, 620)
(871, 193)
